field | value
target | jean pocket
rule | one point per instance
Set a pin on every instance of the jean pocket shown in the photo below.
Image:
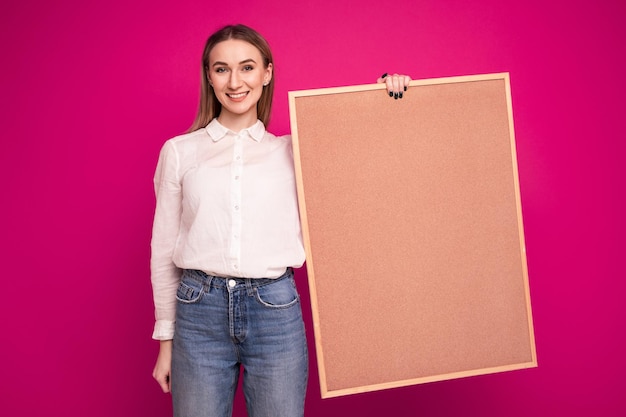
(189, 292)
(280, 294)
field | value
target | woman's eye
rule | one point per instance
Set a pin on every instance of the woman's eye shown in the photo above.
(248, 68)
(220, 70)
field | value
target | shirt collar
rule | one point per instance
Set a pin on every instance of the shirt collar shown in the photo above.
(216, 131)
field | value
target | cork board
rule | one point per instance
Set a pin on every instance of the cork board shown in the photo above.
(413, 230)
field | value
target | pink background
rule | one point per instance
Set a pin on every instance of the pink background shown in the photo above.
(90, 92)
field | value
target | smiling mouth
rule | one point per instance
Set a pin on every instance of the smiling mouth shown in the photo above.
(238, 95)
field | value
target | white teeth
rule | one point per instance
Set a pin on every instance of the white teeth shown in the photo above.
(237, 95)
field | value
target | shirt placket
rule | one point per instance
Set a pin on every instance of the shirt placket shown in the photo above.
(236, 174)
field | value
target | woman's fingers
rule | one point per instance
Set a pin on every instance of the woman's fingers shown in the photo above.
(396, 84)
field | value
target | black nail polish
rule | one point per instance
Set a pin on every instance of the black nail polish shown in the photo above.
(405, 88)
(395, 96)
(400, 94)
(390, 94)
(384, 75)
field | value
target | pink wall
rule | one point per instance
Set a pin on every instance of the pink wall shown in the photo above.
(90, 92)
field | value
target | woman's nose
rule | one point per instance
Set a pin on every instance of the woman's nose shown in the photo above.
(234, 81)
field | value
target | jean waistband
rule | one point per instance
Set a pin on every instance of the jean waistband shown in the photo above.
(221, 282)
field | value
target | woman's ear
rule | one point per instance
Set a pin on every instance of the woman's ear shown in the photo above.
(269, 71)
(207, 73)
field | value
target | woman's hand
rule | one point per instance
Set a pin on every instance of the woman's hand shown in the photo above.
(163, 367)
(396, 84)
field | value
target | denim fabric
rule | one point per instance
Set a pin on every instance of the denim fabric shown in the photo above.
(223, 324)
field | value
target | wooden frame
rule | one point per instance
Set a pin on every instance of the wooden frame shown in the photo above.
(413, 231)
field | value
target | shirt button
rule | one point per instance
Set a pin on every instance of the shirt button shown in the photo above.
(232, 283)
(236, 207)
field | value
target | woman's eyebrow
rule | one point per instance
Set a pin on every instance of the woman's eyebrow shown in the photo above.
(245, 61)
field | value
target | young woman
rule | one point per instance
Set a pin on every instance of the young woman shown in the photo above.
(226, 236)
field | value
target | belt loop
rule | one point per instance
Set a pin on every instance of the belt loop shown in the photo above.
(207, 283)
(248, 282)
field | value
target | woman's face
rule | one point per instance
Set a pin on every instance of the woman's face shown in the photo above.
(237, 75)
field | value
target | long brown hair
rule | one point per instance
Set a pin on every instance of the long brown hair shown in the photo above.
(210, 107)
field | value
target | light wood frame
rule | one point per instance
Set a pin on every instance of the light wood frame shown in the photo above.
(412, 224)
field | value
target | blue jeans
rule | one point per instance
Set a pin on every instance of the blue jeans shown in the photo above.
(223, 324)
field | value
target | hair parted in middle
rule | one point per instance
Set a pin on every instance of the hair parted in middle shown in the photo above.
(210, 107)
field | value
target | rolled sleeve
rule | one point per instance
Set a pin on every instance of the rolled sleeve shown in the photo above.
(163, 330)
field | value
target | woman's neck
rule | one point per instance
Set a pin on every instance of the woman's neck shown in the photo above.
(236, 122)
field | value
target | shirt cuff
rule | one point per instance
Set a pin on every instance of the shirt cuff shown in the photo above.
(163, 330)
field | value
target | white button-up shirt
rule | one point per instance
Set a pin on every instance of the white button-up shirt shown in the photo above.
(225, 204)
